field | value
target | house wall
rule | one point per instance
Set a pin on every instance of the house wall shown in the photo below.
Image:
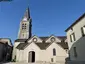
(60, 53)
(15, 51)
(43, 55)
(19, 55)
(5, 52)
(1, 52)
(79, 43)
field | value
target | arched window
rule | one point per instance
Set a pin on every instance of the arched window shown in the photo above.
(54, 52)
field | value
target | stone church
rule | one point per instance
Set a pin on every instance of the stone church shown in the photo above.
(28, 48)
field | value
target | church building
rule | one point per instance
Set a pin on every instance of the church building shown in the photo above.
(28, 48)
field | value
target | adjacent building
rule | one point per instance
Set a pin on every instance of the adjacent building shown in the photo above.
(5, 50)
(28, 48)
(76, 39)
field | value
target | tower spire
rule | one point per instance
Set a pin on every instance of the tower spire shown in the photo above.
(25, 26)
(27, 15)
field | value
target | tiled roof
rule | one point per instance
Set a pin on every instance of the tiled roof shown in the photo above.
(62, 38)
(20, 40)
(44, 38)
(21, 45)
(42, 46)
(64, 45)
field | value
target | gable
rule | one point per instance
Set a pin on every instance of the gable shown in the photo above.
(53, 37)
(44, 42)
(42, 45)
(34, 39)
(31, 46)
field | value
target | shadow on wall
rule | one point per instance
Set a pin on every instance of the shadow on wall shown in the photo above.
(77, 52)
(5, 52)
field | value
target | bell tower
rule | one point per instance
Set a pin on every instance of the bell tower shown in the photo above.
(25, 26)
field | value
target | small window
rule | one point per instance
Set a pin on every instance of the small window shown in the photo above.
(23, 26)
(52, 39)
(72, 37)
(54, 52)
(34, 39)
(83, 31)
(75, 52)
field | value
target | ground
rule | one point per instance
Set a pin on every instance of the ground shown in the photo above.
(34, 63)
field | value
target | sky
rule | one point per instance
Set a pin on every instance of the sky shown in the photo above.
(48, 16)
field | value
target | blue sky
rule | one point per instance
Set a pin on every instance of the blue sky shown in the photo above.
(48, 16)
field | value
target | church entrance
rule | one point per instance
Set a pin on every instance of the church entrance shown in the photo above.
(31, 57)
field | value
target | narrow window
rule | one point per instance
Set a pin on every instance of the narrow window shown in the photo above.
(54, 52)
(83, 31)
(75, 52)
(23, 26)
(72, 37)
